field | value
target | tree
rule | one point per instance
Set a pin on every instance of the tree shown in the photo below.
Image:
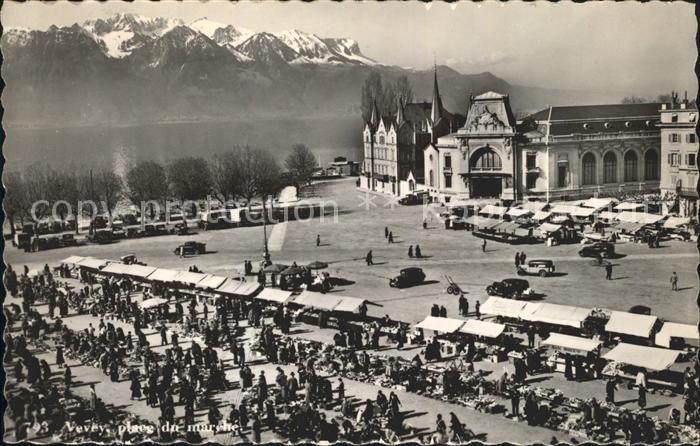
(225, 175)
(189, 179)
(15, 201)
(36, 181)
(109, 188)
(146, 181)
(634, 100)
(301, 164)
(371, 90)
(403, 89)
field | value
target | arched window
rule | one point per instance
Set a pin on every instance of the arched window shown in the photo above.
(381, 139)
(651, 165)
(430, 177)
(630, 166)
(610, 168)
(486, 159)
(588, 169)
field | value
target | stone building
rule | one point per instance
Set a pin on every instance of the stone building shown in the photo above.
(559, 153)
(679, 146)
(478, 160)
(393, 145)
(590, 150)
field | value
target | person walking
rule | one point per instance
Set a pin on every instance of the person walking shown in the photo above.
(368, 258)
(674, 281)
(483, 246)
(391, 237)
(477, 309)
(318, 240)
(425, 224)
(419, 254)
(386, 232)
(517, 260)
(514, 401)
(523, 257)
(608, 271)
(410, 251)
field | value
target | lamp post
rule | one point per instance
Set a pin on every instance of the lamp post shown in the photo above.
(266, 251)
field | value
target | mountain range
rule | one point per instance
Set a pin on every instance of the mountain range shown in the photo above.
(128, 69)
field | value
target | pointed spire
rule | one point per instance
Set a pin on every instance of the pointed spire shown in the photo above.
(399, 113)
(375, 117)
(436, 111)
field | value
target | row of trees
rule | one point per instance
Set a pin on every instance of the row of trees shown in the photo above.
(242, 173)
(663, 98)
(385, 93)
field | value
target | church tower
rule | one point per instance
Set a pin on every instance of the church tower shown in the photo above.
(436, 112)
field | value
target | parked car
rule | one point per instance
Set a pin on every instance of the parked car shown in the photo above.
(68, 240)
(101, 236)
(510, 288)
(640, 309)
(42, 243)
(412, 199)
(603, 249)
(408, 277)
(190, 248)
(542, 268)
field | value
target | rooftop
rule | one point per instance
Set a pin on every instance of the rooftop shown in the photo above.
(603, 111)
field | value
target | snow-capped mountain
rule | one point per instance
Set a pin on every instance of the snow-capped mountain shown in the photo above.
(120, 34)
(349, 49)
(232, 35)
(268, 49)
(309, 46)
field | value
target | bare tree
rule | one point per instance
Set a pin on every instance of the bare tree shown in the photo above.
(146, 181)
(15, 201)
(634, 100)
(301, 164)
(189, 179)
(109, 188)
(403, 89)
(372, 90)
(225, 175)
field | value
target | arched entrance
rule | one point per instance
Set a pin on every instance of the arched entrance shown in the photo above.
(486, 177)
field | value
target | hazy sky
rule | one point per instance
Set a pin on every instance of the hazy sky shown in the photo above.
(628, 47)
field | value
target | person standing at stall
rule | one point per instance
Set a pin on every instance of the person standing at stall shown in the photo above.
(610, 388)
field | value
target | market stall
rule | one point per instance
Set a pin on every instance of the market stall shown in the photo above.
(316, 307)
(628, 359)
(503, 308)
(631, 326)
(189, 278)
(444, 328)
(553, 314)
(489, 338)
(575, 350)
(139, 272)
(163, 275)
(629, 207)
(274, 296)
(238, 288)
(674, 335)
(210, 282)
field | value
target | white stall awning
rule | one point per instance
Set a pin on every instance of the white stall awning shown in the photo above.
(274, 295)
(483, 328)
(639, 217)
(571, 343)
(492, 209)
(607, 215)
(72, 260)
(189, 277)
(91, 262)
(651, 358)
(576, 211)
(163, 275)
(675, 330)
(549, 227)
(229, 286)
(440, 324)
(629, 207)
(676, 222)
(541, 215)
(630, 324)
(599, 203)
(320, 301)
(349, 304)
(517, 212)
(153, 302)
(246, 289)
(211, 281)
(498, 306)
(555, 314)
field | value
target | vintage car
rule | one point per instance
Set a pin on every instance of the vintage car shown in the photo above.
(413, 199)
(101, 236)
(510, 288)
(408, 277)
(190, 248)
(538, 267)
(68, 240)
(602, 249)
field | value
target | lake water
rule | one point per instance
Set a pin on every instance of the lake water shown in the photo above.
(118, 146)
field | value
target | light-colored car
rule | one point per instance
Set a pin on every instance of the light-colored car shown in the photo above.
(542, 268)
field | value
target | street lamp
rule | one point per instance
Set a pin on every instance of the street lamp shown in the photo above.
(266, 252)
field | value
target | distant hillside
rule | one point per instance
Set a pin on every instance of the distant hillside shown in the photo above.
(127, 69)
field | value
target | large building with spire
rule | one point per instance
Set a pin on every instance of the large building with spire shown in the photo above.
(394, 145)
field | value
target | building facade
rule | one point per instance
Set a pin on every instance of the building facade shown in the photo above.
(679, 147)
(558, 153)
(394, 145)
(480, 159)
